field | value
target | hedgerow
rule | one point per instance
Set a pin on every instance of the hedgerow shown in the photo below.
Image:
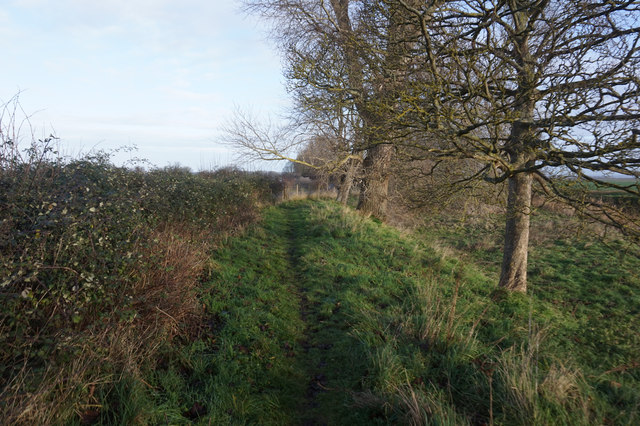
(99, 265)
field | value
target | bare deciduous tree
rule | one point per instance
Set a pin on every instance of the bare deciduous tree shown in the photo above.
(349, 52)
(518, 87)
(526, 86)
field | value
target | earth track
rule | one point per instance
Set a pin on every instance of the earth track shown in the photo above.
(316, 379)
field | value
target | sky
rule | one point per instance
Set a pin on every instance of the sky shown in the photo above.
(160, 75)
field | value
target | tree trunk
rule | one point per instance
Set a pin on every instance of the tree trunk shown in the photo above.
(375, 184)
(513, 276)
(346, 182)
(520, 147)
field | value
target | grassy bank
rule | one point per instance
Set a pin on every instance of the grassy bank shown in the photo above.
(584, 293)
(127, 299)
(318, 315)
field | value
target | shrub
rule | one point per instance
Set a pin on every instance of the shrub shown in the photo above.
(98, 265)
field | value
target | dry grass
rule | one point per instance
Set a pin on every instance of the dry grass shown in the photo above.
(313, 195)
(435, 319)
(517, 370)
(561, 384)
(24, 404)
(165, 292)
(415, 411)
(526, 391)
(414, 406)
(425, 408)
(164, 303)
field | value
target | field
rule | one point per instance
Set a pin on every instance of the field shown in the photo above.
(616, 194)
(168, 297)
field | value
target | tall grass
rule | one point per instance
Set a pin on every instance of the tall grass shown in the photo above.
(448, 348)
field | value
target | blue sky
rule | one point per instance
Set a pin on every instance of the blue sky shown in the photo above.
(158, 74)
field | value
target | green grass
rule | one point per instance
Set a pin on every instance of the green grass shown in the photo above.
(584, 291)
(319, 315)
(242, 368)
(277, 337)
(611, 189)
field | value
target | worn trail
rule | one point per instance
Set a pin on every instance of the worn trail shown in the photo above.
(315, 378)
(320, 349)
(279, 348)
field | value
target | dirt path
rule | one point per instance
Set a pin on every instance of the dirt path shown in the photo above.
(283, 349)
(327, 352)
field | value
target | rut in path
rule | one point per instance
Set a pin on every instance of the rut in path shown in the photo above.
(283, 346)
(327, 352)
(314, 367)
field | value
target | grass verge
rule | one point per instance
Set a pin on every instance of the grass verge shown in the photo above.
(319, 316)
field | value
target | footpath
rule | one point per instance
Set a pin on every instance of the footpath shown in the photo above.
(280, 345)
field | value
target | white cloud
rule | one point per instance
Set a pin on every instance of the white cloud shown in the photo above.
(150, 72)
(168, 24)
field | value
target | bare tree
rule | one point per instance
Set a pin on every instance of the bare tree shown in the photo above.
(337, 129)
(347, 52)
(315, 143)
(518, 87)
(527, 86)
(260, 140)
